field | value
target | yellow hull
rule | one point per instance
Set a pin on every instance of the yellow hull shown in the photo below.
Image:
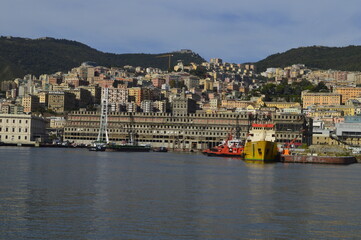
(265, 151)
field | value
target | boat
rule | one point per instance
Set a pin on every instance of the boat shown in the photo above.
(260, 144)
(231, 147)
(97, 148)
(128, 146)
(160, 149)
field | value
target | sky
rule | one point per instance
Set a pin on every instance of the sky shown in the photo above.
(237, 31)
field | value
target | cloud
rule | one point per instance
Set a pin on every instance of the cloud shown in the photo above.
(237, 31)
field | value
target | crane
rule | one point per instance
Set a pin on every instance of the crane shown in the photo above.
(169, 58)
(287, 146)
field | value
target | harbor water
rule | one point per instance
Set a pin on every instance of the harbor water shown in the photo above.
(59, 193)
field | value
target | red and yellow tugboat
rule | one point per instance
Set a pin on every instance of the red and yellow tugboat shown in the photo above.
(229, 148)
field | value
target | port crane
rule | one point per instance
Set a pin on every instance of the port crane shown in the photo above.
(286, 149)
(169, 58)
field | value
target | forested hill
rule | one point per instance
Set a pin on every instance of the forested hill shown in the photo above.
(338, 58)
(21, 56)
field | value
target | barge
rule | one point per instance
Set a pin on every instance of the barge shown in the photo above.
(343, 160)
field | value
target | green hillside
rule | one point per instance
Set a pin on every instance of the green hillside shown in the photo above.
(20, 56)
(338, 58)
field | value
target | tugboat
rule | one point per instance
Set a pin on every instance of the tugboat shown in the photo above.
(261, 145)
(232, 147)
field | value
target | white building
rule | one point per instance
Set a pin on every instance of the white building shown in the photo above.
(21, 128)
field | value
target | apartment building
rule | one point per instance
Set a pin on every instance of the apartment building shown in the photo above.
(61, 101)
(325, 99)
(348, 93)
(30, 103)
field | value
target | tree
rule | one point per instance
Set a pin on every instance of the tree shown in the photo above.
(321, 87)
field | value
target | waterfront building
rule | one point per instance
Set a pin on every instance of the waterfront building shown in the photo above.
(22, 129)
(181, 132)
(349, 132)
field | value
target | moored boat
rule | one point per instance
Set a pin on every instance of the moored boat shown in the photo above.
(160, 149)
(127, 147)
(232, 147)
(265, 151)
(261, 145)
(97, 148)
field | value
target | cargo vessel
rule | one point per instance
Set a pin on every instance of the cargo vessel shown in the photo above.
(260, 144)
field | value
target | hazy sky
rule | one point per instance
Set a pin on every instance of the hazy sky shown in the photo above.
(234, 30)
